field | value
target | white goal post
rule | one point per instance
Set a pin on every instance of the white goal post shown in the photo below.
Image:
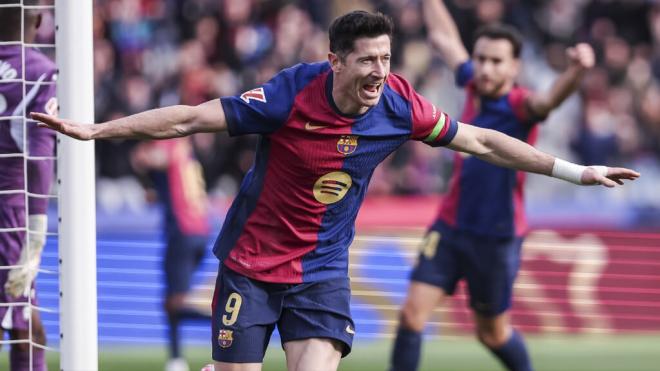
(75, 178)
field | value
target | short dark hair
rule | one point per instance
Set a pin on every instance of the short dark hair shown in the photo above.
(501, 31)
(354, 25)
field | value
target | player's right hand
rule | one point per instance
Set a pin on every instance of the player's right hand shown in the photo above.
(66, 127)
(581, 55)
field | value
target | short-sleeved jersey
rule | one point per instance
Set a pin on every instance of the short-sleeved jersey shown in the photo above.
(17, 100)
(293, 219)
(486, 199)
(181, 188)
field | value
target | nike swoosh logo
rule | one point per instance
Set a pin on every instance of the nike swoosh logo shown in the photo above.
(350, 330)
(309, 126)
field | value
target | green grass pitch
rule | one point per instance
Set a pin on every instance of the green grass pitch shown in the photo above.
(549, 353)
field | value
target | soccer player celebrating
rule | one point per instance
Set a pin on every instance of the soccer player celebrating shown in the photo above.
(323, 128)
(16, 136)
(478, 232)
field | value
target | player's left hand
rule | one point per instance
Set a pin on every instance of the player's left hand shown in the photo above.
(614, 176)
(581, 55)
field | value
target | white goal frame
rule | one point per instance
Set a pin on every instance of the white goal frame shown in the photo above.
(76, 185)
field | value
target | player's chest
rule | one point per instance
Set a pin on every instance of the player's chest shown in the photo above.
(500, 118)
(317, 145)
(486, 112)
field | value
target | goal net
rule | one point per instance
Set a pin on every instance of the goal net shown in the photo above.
(65, 298)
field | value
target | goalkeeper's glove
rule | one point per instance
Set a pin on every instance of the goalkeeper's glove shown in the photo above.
(19, 281)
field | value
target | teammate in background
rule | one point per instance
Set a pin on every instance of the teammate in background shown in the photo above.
(324, 127)
(177, 179)
(478, 232)
(19, 137)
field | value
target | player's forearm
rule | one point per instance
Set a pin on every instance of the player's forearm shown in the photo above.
(160, 123)
(501, 149)
(443, 33)
(564, 86)
(506, 151)
(438, 19)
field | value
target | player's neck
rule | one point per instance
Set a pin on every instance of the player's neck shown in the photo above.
(344, 103)
(500, 92)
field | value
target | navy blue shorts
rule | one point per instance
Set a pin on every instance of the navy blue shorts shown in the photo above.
(489, 265)
(182, 256)
(245, 312)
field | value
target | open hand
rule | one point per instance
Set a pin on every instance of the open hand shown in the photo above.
(615, 175)
(66, 127)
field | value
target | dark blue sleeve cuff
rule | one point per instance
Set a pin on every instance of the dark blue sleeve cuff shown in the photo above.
(230, 116)
(449, 135)
(464, 73)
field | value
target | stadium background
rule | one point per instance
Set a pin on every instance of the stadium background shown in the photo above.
(589, 291)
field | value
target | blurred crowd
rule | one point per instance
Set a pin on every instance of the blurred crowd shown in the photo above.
(150, 53)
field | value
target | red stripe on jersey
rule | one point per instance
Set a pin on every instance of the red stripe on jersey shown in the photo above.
(517, 99)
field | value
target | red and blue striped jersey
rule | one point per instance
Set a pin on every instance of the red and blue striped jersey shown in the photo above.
(293, 218)
(486, 199)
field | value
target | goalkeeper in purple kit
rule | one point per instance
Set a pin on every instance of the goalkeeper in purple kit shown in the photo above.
(20, 138)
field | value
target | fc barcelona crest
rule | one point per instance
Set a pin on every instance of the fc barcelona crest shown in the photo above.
(225, 338)
(347, 144)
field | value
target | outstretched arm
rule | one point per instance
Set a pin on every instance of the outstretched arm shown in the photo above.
(503, 150)
(443, 33)
(160, 123)
(581, 58)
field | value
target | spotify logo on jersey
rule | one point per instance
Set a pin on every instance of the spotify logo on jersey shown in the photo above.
(332, 187)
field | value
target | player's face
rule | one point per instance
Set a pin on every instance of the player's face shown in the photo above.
(359, 77)
(495, 68)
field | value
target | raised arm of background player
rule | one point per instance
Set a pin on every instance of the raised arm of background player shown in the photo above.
(445, 38)
(489, 145)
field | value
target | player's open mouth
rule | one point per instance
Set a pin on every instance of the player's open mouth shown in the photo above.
(372, 89)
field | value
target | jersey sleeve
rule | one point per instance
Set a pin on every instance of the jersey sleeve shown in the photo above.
(464, 73)
(429, 124)
(264, 109)
(432, 126)
(518, 101)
